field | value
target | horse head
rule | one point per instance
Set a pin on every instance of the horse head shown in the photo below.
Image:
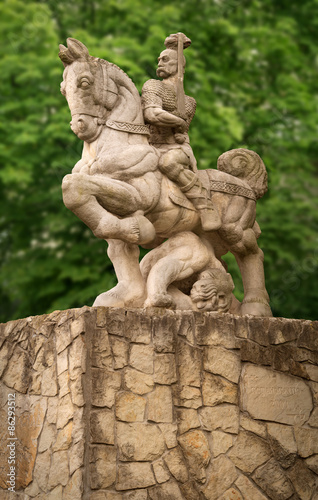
(88, 90)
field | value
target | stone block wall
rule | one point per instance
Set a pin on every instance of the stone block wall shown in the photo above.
(114, 404)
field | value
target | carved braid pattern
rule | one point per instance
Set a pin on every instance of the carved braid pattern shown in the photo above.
(234, 189)
(132, 128)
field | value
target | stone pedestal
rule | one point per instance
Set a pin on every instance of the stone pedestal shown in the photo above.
(113, 404)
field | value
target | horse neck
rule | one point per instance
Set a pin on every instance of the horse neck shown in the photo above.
(128, 105)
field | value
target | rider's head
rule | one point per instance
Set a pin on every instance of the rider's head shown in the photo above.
(168, 63)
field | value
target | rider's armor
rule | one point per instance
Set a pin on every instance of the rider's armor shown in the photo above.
(158, 94)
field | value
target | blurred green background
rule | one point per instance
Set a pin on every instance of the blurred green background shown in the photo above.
(252, 68)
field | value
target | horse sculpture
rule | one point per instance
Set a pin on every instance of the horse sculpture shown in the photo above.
(117, 190)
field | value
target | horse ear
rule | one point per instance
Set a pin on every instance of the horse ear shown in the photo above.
(64, 55)
(77, 49)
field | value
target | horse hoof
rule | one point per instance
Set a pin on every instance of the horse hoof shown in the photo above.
(161, 300)
(256, 309)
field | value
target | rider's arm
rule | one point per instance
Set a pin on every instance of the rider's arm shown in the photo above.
(158, 116)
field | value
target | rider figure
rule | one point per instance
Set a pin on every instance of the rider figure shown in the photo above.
(169, 112)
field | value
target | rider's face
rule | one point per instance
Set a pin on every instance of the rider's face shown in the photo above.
(167, 63)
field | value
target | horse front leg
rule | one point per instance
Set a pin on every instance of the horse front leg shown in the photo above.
(86, 196)
(250, 260)
(130, 290)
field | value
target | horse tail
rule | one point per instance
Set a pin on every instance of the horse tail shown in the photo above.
(246, 165)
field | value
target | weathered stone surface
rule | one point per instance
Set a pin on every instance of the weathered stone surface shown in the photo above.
(49, 382)
(189, 364)
(283, 443)
(74, 488)
(312, 371)
(169, 432)
(105, 495)
(187, 324)
(78, 425)
(166, 491)
(223, 475)
(187, 419)
(47, 437)
(254, 353)
(270, 395)
(249, 452)
(175, 462)
(196, 450)
(314, 388)
(216, 389)
(134, 475)
(138, 382)
(309, 336)
(101, 354)
(189, 397)
(223, 417)
(141, 358)
(136, 495)
(165, 369)
(77, 358)
(271, 478)
(216, 331)
(64, 438)
(190, 490)
(312, 463)
(76, 456)
(18, 379)
(130, 407)
(42, 469)
(248, 489)
(307, 441)
(120, 350)
(102, 466)
(102, 423)
(302, 479)
(253, 426)
(139, 442)
(55, 494)
(161, 473)
(231, 494)
(164, 331)
(65, 411)
(313, 421)
(221, 442)
(105, 384)
(77, 395)
(63, 381)
(59, 471)
(63, 336)
(223, 362)
(51, 415)
(160, 408)
(138, 327)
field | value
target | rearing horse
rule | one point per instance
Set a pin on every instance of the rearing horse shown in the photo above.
(117, 190)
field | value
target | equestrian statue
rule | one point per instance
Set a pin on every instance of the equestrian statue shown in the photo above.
(137, 184)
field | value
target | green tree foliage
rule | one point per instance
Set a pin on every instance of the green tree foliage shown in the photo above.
(252, 68)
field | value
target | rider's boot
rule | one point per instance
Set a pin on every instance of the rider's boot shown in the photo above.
(196, 192)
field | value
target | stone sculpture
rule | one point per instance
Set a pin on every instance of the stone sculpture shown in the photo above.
(137, 183)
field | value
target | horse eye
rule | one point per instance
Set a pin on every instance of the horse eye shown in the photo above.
(84, 84)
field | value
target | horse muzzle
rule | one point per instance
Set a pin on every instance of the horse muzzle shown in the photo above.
(86, 127)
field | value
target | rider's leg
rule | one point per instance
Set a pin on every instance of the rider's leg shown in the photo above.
(81, 193)
(175, 165)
